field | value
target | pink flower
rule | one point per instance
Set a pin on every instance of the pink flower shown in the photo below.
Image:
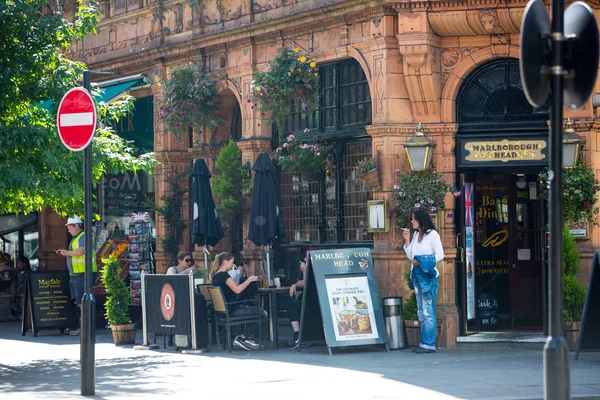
(290, 138)
(178, 105)
(252, 107)
(433, 208)
(183, 113)
(249, 101)
(396, 187)
(440, 199)
(177, 125)
(457, 193)
(449, 215)
(397, 170)
(390, 212)
(417, 205)
(258, 124)
(306, 130)
(263, 114)
(309, 107)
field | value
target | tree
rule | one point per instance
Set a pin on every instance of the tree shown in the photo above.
(229, 187)
(36, 170)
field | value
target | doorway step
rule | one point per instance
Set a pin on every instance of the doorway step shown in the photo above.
(510, 339)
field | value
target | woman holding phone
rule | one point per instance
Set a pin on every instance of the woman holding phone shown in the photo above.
(424, 251)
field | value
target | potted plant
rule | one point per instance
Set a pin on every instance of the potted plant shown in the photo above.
(291, 77)
(580, 187)
(189, 100)
(419, 189)
(366, 169)
(117, 303)
(307, 157)
(573, 291)
(198, 275)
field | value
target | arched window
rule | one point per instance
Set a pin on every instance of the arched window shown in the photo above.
(493, 94)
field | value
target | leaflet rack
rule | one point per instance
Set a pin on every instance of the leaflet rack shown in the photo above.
(141, 258)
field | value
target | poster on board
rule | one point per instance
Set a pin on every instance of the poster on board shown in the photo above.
(351, 308)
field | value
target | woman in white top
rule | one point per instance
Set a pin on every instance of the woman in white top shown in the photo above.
(424, 251)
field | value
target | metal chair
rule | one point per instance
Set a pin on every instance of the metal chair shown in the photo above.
(224, 319)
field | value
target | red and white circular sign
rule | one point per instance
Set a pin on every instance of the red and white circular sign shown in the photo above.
(76, 119)
(167, 301)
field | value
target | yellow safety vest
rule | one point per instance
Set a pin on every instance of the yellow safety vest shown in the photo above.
(78, 262)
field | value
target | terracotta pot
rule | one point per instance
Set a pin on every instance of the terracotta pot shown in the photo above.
(123, 334)
(571, 332)
(372, 179)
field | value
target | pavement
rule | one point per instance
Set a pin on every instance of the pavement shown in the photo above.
(47, 367)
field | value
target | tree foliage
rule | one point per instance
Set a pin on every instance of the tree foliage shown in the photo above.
(573, 291)
(36, 170)
(119, 297)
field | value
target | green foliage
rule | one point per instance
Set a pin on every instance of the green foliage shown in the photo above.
(580, 187)
(198, 273)
(573, 300)
(570, 253)
(419, 189)
(230, 188)
(36, 170)
(233, 181)
(410, 308)
(171, 210)
(365, 165)
(291, 77)
(573, 291)
(304, 156)
(189, 99)
(118, 299)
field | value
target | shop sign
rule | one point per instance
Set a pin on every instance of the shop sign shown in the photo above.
(505, 150)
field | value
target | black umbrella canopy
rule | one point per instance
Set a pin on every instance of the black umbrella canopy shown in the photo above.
(206, 226)
(265, 220)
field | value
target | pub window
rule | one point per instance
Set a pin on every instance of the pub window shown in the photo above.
(494, 94)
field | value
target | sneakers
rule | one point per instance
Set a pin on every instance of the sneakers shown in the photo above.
(296, 345)
(423, 350)
(238, 342)
(252, 344)
(75, 332)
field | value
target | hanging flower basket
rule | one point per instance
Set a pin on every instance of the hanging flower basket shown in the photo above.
(372, 178)
(311, 158)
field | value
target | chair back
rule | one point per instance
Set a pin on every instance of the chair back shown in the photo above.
(205, 292)
(218, 299)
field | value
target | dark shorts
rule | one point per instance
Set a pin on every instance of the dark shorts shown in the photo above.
(76, 284)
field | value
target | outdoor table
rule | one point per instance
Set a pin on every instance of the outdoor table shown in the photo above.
(271, 294)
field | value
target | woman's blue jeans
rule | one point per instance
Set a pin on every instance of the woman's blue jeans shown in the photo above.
(426, 306)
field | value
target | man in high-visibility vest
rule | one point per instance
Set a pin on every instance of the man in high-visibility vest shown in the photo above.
(76, 261)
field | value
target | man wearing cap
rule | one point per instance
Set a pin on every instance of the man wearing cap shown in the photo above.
(76, 261)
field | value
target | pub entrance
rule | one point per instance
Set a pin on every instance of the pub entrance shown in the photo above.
(508, 258)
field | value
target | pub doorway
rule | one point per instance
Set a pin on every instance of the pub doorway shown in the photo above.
(508, 260)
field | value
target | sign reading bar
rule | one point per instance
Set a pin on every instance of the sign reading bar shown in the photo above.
(340, 301)
(47, 303)
(505, 150)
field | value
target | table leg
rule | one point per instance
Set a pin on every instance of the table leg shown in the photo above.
(274, 318)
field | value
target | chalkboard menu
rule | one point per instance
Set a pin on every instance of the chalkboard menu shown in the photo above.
(47, 303)
(589, 332)
(341, 299)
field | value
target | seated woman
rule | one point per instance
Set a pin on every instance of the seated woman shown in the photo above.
(184, 264)
(294, 305)
(221, 266)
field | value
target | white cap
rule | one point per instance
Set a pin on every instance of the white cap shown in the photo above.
(74, 220)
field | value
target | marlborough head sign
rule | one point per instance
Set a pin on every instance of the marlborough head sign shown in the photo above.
(473, 152)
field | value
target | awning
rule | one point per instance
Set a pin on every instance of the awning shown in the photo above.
(113, 90)
(11, 222)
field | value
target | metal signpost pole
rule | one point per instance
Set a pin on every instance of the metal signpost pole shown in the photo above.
(88, 303)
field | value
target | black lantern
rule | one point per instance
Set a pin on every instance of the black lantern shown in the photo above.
(419, 150)
(572, 145)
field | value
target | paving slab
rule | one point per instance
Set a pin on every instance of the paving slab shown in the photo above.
(47, 367)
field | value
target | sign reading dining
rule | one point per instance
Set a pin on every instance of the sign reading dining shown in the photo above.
(505, 150)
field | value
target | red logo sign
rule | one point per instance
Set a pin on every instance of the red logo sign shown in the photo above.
(76, 119)
(167, 301)
(363, 264)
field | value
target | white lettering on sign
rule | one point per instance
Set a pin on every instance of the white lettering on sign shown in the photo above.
(77, 119)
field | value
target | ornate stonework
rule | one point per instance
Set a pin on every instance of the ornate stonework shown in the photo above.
(451, 57)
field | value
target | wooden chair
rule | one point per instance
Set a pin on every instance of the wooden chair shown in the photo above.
(210, 310)
(224, 319)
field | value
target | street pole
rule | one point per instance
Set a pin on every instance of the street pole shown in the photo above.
(556, 356)
(88, 303)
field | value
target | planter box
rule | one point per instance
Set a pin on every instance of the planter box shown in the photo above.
(571, 331)
(413, 332)
(123, 334)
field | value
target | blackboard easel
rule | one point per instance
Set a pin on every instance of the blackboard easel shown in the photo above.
(589, 331)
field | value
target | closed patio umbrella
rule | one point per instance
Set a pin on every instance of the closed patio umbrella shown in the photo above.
(265, 220)
(206, 227)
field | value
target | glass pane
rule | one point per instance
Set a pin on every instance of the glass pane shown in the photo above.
(356, 193)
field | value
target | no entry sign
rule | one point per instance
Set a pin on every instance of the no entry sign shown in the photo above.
(76, 119)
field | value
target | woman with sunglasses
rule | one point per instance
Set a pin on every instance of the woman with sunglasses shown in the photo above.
(184, 264)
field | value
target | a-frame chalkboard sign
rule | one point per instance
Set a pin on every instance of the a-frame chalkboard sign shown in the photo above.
(340, 302)
(47, 303)
(589, 331)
